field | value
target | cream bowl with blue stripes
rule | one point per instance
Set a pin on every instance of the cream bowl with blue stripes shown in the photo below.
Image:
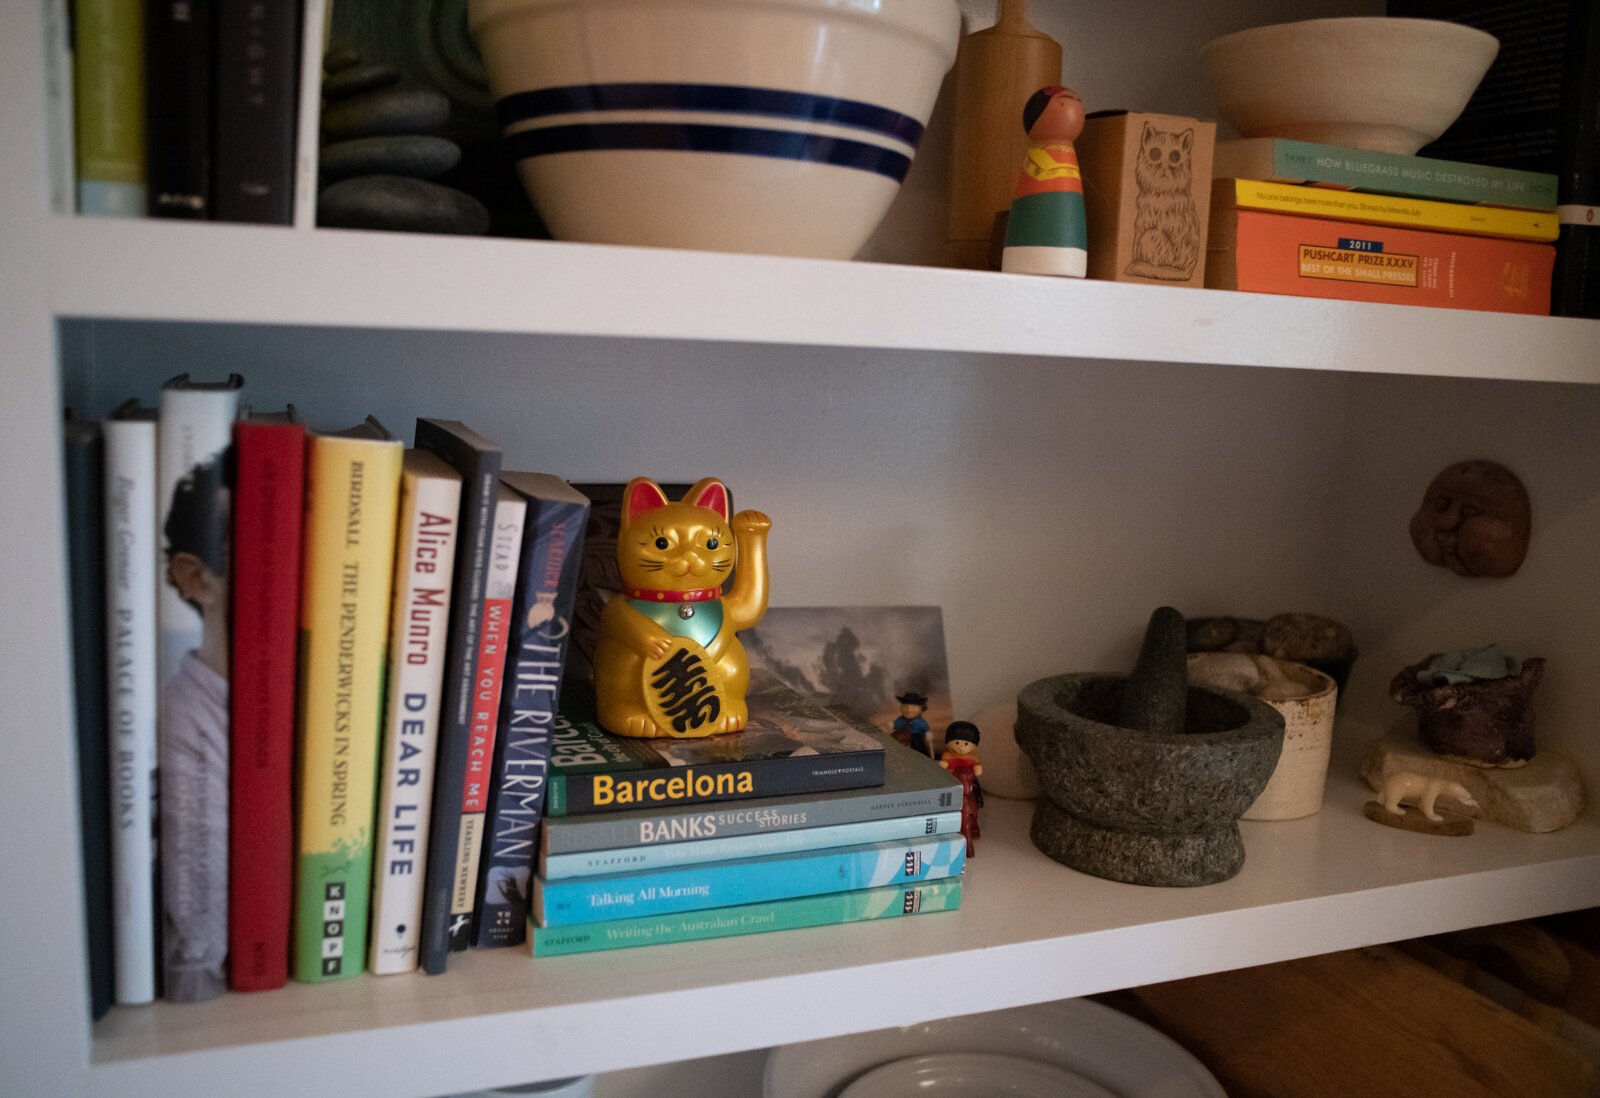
(781, 127)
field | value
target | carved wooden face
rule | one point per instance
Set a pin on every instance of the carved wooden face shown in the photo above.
(1474, 520)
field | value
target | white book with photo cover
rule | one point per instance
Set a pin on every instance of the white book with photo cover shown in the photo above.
(195, 430)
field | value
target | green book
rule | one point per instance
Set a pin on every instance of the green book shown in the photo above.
(108, 92)
(727, 922)
(1280, 160)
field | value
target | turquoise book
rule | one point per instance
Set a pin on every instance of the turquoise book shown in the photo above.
(832, 909)
(749, 881)
(632, 859)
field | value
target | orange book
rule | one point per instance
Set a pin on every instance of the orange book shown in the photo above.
(1311, 257)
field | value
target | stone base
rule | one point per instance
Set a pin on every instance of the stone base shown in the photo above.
(1544, 795)
(1198, 858)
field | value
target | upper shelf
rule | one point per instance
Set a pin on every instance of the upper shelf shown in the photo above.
(1029, 930)
(147, 270)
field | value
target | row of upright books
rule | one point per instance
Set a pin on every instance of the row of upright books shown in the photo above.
(184, 108)
(322, 724)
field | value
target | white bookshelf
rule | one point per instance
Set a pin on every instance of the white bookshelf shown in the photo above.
(1045, 460)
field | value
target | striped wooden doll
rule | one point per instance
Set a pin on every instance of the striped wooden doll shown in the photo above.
(1046, 232)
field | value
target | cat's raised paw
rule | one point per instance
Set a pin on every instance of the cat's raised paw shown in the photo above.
(751, 522)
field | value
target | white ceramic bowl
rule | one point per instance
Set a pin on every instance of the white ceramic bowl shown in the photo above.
(1367, 83)
(1125, 1056)
(774, 126)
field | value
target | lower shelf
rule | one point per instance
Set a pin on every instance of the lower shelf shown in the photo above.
(1030, 931)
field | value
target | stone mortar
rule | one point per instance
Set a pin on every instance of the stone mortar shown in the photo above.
(1143, 807)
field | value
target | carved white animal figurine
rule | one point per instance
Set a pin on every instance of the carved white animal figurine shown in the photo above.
(1406, 785)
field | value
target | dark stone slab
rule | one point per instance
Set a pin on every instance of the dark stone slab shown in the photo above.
(339, 59)
(1154, 696)
(413, 155)
(398, 204)
(357, 79)
(400, 108)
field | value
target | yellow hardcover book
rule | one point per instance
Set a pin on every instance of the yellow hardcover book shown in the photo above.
(1382, 209)
(352, 497)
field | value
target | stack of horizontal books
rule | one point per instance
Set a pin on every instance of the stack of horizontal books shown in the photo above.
(803, 819)
(1291, 217)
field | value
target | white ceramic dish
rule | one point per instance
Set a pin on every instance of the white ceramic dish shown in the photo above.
(1124, 1056)
(776, 126)
(972, 1075)
(1365, 82)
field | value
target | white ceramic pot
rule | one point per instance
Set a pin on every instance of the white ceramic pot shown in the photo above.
(1295, 788)
(1368, 82)
(774, 126)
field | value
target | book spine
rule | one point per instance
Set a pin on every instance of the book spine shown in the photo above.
(576, 794)
(725, 884)
(500, 586)
(308, 121)
(611, 831)
(257, 79)
(352, 488)
(84, 461)
(547, 583)
(1411, 176)
(195, 428)
(424, 566)
(634, 859)
(1370, 209)
(178, 107)
(108, 98)
(478, 462)
(59, 133)
(1309, 257)
(726, 922)
(131, 571)
(268, 509)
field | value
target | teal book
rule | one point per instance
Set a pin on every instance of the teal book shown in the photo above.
(632, 859)
(1280, 160)
(890, 902)
(748, 881)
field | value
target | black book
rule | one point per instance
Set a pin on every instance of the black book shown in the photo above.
(84, 458)
(530, 698)
(1576, 287)
(179, 66)
(478, 461)
(257, 81)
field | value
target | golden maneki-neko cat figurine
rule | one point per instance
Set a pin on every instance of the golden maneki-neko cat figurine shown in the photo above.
(668, 662)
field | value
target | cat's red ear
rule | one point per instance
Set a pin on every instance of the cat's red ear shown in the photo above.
(642, 494)
(711, 494)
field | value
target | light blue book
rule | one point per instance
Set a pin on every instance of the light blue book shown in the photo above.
(724, 884)
(634, 859)
(893, 902)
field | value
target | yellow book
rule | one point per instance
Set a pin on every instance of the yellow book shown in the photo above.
(1382, 209)
(352, 498)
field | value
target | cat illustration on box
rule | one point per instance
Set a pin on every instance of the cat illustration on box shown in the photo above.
(1166, 228)
(668, 662)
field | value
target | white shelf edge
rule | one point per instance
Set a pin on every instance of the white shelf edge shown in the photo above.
(165, 271)
(1030, 931)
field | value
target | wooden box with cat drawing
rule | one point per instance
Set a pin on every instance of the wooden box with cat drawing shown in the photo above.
(1147, 190)
(668, 662)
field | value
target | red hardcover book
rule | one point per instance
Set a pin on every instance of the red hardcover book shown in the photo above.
(268, 505)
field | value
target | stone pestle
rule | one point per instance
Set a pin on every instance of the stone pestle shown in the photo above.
(1155, 697)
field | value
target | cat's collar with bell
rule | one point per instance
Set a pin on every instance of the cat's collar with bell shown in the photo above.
(651, 594)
